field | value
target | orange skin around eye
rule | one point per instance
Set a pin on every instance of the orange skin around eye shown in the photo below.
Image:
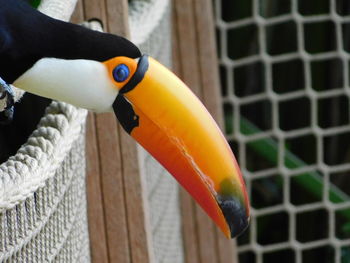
(112, 63)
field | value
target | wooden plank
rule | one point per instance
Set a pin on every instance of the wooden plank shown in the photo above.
(96, 218)
(139, 229)
(208, 61)
(136, 203)
(190, 239)
(126, 223)
(189, 228)
(111, 171)
(186, 37)
(175, 63)
(187, 41)
(226, 249)
(117, 15)
(95, 9)
(197, 50)
(78, 14)
(206, 237)
(113, 188)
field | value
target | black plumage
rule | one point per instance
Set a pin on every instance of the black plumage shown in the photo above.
(26, 36)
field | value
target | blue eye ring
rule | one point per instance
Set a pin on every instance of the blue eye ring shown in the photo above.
(121, 73)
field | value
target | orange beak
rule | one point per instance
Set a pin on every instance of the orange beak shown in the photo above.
(158, 110)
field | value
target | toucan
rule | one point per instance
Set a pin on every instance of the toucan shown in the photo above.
(102, 72)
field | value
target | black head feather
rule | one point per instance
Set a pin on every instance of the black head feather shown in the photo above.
(26, 35)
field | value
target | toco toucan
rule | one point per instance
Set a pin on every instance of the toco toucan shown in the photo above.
(104, 72)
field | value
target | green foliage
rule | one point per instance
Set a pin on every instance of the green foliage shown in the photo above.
(35, 3)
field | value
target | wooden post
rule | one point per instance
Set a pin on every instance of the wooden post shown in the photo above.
(118, 225)
(195, 60)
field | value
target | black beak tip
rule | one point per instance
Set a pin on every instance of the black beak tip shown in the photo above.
(235, 215)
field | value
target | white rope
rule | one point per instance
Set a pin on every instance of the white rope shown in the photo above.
(144, 18)
(40, 224)
(52, 217)
(39, 158)
(59, 9)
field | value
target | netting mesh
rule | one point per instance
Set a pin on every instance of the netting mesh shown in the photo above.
(284, 68)
(49, 224)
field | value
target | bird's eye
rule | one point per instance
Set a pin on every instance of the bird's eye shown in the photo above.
(121, 73)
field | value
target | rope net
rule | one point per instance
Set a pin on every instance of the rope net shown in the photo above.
(284, 68)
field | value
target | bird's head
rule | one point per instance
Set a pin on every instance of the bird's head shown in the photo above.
(108, 73)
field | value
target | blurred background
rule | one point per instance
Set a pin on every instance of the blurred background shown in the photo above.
(284, 69)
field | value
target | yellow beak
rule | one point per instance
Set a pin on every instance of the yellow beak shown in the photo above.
(168, 120)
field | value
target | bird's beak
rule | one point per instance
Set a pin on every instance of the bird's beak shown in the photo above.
(158, 110)
(162, 114)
